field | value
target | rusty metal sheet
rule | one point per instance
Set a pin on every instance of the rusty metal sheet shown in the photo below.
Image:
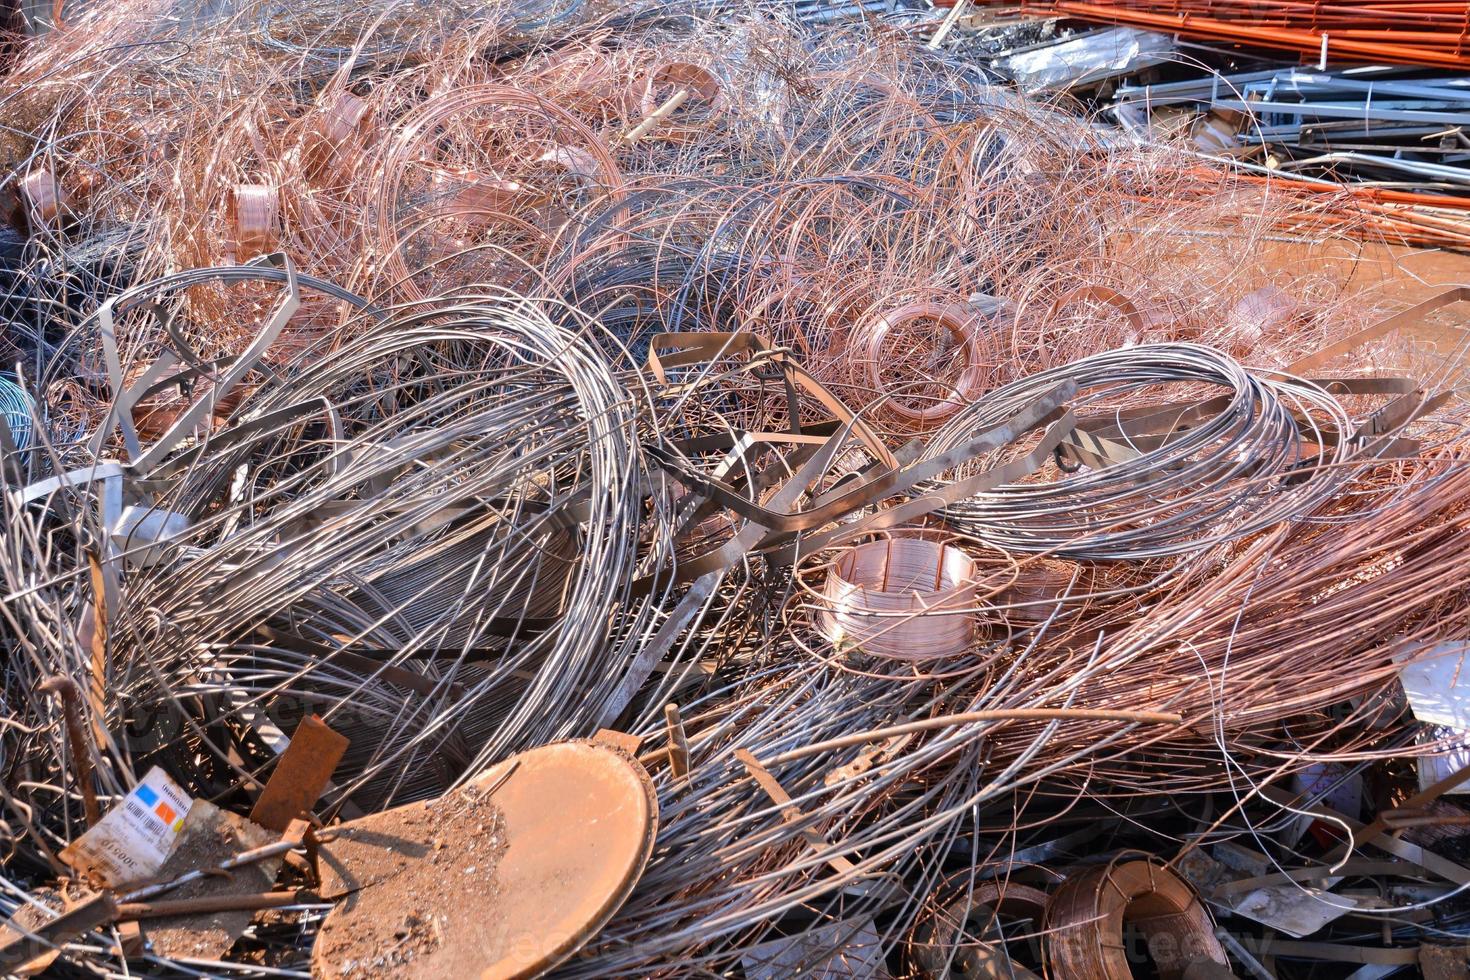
(29, 940)
(301, 774)
(503, 878)
(210, 837)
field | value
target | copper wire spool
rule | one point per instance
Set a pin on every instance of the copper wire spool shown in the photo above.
(322, 215)
(1040, 585)
(1008, 897)
(482, 132)
(255, 211)
(44, 197)
(879, 336)
(332, 127)
(1087, 914)
(949, 944)
(904, 598)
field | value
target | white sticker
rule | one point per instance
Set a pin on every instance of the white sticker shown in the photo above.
(133, 840)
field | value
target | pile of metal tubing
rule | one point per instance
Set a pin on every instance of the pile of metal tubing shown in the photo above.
(1009, 517)
(1399, 135)
(1389, 136)
(1435, 33)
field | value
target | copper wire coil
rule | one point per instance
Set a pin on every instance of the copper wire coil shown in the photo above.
(596, 80)
(255, 213)
(326, 144)
(952, 941)
(44, 198)
(1087, 914)
(903, 598)
(516, 133)
(1037, 588)
(879, 340)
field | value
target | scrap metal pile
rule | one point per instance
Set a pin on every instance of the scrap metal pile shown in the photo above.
(1375, 95)
(1418, 32)
(883, 525)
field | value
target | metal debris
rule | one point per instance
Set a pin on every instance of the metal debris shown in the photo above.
(631, 490)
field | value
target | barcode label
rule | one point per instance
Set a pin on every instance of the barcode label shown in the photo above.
(150, 823)
(134, 838)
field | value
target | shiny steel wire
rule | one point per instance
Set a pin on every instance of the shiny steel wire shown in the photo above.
(1213, 479)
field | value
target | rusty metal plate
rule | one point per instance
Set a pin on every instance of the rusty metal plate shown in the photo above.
(504, 878)
(301, 775)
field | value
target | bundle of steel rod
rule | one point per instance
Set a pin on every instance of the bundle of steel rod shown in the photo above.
(1364, 113)
(1388, 135)
(971, 530)
(1393, 136)
(1432, 34)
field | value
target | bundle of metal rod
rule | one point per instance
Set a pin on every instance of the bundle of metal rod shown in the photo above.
(1387, 137)
(1396, 138)
(1432, 34)
(1355, 111)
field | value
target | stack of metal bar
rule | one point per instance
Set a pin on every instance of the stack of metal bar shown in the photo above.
(1432, 33)
(1390, 126)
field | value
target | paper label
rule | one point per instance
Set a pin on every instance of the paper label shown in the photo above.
(133, 840)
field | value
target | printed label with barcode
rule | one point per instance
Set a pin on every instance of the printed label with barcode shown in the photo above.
(152, 824)
(133, 840)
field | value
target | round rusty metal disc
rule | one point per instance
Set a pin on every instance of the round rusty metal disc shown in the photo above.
(514, 895)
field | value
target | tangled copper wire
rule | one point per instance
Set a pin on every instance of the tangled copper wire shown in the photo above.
(516, 370)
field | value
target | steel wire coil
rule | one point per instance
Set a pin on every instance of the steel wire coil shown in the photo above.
(1209, 482)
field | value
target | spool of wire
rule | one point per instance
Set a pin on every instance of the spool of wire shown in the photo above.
(17, 407)
(903, 598)
(1208, 478)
